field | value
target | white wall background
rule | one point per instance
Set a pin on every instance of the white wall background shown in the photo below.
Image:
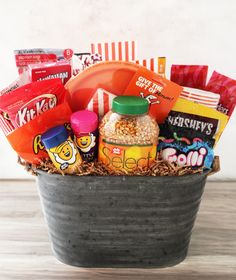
(185, 31)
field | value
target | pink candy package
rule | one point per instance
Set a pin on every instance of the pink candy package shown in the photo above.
(193, 76)
(226, 87)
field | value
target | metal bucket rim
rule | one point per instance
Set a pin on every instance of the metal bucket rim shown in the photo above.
(186, 178)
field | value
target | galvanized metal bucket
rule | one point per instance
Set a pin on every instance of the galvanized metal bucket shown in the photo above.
(120, 221)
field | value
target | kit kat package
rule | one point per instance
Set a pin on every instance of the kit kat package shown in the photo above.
(26, 140)
(31, 100)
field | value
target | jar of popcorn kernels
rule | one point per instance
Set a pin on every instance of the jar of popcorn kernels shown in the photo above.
(128, 135)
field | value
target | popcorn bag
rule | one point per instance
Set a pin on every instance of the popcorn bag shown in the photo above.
(157, 65)
(101, 102)
(125, 51)
(117, 131)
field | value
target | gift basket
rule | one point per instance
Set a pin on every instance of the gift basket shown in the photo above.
(120, 153)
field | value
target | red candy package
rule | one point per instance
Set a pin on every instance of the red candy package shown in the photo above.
(25, 103)
(25, 57)
(26, 140)
(53, 70)
(226, 87)
(193, 76)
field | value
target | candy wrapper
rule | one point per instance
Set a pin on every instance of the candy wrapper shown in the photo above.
(26, 57)
(101, 102)
(26, 140)
(125, 51)
(54, 70)
(193, 76)
(25, 103)
(157, 65)
(197, 154)
(226, 87)
(189, 134)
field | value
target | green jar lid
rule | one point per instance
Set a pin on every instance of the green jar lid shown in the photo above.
(130, 105)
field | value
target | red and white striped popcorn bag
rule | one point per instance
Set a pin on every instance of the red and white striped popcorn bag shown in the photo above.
(202, 97)
(125, 51)
(157, 65)
(5, 124)
(101, 102)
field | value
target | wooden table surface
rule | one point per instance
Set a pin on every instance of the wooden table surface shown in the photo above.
(25, 250)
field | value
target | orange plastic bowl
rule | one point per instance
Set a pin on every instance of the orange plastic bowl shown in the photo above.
(113, 76)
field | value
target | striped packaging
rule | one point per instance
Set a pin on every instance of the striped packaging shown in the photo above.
(5, 125)
(125, 51)
(203, 97)
(157, 65)
(101, 102)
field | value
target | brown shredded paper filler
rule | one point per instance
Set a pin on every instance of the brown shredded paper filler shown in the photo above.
(158, 168)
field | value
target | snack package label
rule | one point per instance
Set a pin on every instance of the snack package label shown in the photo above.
(126, 157)
(200, 119)
(87, 145)
(60, 158)
(189, 134)
(196, 155)
(159, 92)
(26, 140)
(25, 103)
(26, 57)
(192, 125)
(49, 71)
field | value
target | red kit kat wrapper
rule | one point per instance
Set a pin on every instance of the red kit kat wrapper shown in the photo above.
(26, 140)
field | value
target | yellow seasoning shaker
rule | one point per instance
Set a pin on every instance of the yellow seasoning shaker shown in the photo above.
(128, 135)
(61, 149)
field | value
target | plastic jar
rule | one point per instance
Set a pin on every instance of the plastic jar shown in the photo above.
(128, 136)
(61, 149)
(85, 127)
